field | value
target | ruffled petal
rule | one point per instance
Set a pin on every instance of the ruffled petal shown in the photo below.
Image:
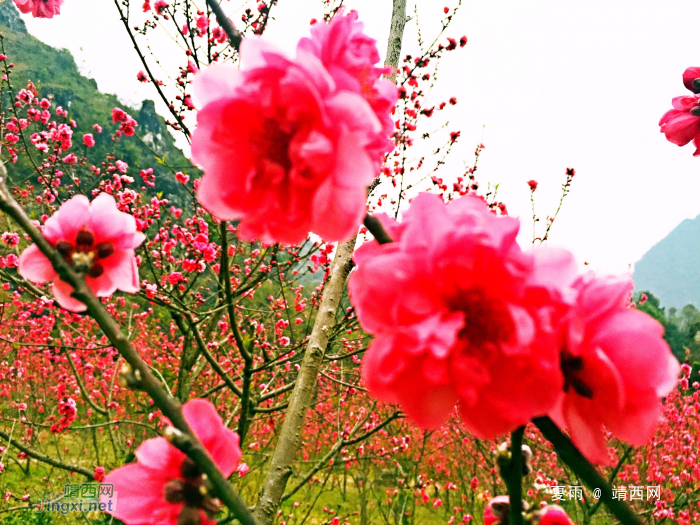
(215, 82)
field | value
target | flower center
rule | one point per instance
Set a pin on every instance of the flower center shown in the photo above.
(84, 254)
(271, 144)
(192, 491)
(571, 366)
(487, 319)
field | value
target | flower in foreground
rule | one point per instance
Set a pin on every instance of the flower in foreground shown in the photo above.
(682, 123)
(40, 8)
(461, 314)
(97, 239)
(165, 486)
(285, 147)
(616, 368)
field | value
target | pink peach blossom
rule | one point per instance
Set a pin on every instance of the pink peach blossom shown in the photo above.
(163, 487)
(94, 236)
(461, 314)
(284, 148)
(40, 8)
(682, 123)
(350, 57)
(616, 368)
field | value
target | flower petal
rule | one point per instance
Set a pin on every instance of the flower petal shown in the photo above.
(35, 267)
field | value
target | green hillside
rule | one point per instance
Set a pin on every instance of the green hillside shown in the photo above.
(671, 268)
(54, 72)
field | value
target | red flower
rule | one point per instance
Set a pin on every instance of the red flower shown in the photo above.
(99, 474)
(460, 313)
(165, 486)
(282, 148)
(97, 239)
(682, 123)
(40, 8)
(552, 515)
(616, 368)
(532, 184)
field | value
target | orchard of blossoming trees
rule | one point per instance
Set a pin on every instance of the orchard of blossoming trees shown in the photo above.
(333, 329)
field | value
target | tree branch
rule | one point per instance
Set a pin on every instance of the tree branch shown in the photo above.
(234, 35)
(148, 382)
(570, 455)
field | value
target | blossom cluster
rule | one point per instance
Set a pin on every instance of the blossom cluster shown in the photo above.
(461, 314)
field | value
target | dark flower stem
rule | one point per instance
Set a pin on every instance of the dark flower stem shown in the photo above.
(570, 455)
(147, 381)
(512, 474)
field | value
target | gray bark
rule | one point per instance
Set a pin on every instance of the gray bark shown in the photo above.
(290, 437)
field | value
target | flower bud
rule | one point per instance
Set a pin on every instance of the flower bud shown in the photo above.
(128, 377)
(691, 79)
(497, 511)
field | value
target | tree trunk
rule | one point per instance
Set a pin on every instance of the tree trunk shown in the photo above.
(290, 437)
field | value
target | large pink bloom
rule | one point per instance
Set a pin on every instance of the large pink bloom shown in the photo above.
(40, 8)
(616, 367)
(682, 123)
(284, 147)
(461, 314)
(350, 57)
(95, 237)
(163, 487)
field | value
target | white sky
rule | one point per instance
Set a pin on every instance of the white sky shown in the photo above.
(557, 84)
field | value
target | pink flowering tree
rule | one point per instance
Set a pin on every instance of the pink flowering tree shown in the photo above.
(320, 289)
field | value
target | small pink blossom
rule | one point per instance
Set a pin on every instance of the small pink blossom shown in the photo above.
(160, 6)
(682, 123)
(99, 474)
(284, 147)
(164, 485)
(616, 369)
(461, 314)
(93, 236)
(88, 140)
(40, 8)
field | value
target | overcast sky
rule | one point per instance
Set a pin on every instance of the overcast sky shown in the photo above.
(556, 84)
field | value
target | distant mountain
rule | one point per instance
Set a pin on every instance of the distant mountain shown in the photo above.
(671, 268)
(54, 72)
